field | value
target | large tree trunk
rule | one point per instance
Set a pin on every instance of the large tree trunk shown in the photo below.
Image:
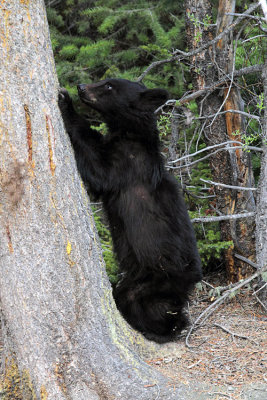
(232, 167)
(62, 335)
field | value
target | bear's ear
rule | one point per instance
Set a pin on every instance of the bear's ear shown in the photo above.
(151, 99)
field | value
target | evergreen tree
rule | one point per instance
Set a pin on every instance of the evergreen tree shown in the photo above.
(94, 40)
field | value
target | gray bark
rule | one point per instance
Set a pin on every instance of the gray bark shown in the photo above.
(60, 325)
(261, 216)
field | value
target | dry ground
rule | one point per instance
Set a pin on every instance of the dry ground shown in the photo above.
(227, 357)
(225, 365)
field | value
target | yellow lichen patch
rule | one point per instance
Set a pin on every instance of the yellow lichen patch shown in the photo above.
(26, 4)
(68, 248)
(59, 368)
(44, 394)
(17, 384)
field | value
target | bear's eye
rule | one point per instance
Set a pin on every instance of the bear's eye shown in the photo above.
(108, 86)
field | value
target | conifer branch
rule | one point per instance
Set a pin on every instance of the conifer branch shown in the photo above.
(178, 55)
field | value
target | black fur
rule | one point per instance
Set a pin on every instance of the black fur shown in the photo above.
(151, 230)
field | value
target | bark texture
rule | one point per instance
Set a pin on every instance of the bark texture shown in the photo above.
(230, 167)
(62, 335)
(261, 217)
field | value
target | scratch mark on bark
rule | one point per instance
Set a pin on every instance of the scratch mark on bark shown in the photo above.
(29, 134)
(10, 246)
(49, 129)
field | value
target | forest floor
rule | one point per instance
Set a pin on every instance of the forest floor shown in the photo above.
(227, 357)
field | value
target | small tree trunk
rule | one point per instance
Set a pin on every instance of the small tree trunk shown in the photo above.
(62, 335)
(232, 167)
(261, 218)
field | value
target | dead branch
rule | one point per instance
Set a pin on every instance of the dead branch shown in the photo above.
(209, 89)
(209, 310)
(232, 333)
(246, 260)
(227, 186)
(223, 217)
(259, 300)
(178, 55)
(255, 17)
(251, 116)
(206, 149)
(209, 155)
(261, 288)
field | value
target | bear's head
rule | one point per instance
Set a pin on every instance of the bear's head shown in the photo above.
(121, 98)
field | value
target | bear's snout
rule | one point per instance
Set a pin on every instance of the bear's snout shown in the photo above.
(81, 88)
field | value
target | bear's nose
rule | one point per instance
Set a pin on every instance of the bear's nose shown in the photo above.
(81, 87)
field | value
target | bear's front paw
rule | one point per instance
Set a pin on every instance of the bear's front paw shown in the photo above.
(64, 99)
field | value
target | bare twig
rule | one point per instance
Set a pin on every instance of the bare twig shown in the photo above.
(227, 186)
(259, 300)
(216, 85)
(209, 310)
(208, 284)
(231, 333)
(194, 365)
(223, 217)
(179, 54)
(252, 38)
(206, 149)
(262, 287)
(153, 65)
(209, 89)
(246, 260)
(214, 152)
(251, 116)
(221, 394)
(255, 17)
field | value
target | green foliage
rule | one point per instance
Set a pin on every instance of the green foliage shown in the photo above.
(106, 243)
(102, 128)
(252, 48)
(95, 54)
(210, 247)
(209, 242)
(200, 24)
(164, 125)
(115, 39)
(54, 18)
(69, 52)
(260, 103)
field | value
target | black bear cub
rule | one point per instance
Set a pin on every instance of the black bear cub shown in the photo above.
(152, 234)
